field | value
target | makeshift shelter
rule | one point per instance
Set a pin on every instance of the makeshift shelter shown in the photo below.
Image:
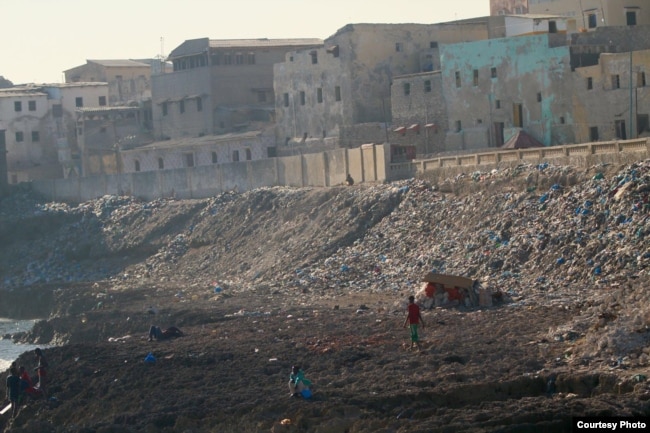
(452, 290)
(521, 140)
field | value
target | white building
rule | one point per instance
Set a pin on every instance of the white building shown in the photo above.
(40, 127)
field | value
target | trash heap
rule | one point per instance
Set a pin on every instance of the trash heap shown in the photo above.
(539, 233)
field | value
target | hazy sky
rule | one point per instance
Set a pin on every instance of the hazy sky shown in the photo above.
(39, 39)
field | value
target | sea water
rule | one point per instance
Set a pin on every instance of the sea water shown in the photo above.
(9, 351)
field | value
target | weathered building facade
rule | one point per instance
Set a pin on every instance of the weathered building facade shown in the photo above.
(218, 86)
(197, 151)
(492, 88)
(40, 128)
(327, 92)
(591, 14)
(508, 7)
(612, 98)
(128, 80)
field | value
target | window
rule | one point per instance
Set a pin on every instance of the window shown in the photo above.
(261, 96)
(399, 47)
(517, 115)
(31, 105)
(181, 106)
(479, 121)
(136, 164)
(19, 136)
(239, 59)
(337, 93)
(616, 81)
(235, 155)
(457, 75)
(433, 44)
(319, 95)
(302, 98)
(79, 101)
(590, 83)
(36, 137)
(475, 77)
(458, 126)
(407, 89)
(552, 27)
(592, 20)
(57, 110)
(227, 59)
(18, 106)
(427, 86)
(493, 72)
(593, 133)
(161, 163)
(214, 158)
(539, 96)
(640, 79)
(189, 160)
(497, 103)
(286, 99)
(251, 58)
(249, 155)
(630, 18)
(164, 108)
(102, 101)
(562, 121)
(199, 104)
(314, 57)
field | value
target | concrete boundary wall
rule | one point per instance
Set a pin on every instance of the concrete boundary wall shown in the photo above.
(580, 155)
(315, 169)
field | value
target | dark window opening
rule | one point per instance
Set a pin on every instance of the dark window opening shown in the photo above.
(433, 44)
(239, 59)
(189, 160)
(337, 93)
(249, 155)
(79, 101)
(164, 108)
(31, 105)
(562, 121)
(590, 83)
(286, 99)
(593, 133)
(457, 75)
(161, 163)
(552, 27)
(302, 98)
(592, 20)
(235, 156)
(407, 89)
(539, 97)
(137, 165)
(497, 103)
(475, 77)
(181, 106)
(18, 106)
(19, 136)
(314, 57)
(36, 137)
(427, 86)
(640, 79)
(616, 81)
(630, 18)
(102, 101)
(319, 95)
(458, 126)
(399, 46)
(493, 72)
(199, 104)
(215, 159)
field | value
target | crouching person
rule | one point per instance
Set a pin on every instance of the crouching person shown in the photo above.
(299, 386)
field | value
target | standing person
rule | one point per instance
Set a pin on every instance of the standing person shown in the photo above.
(13, 390)
(414, 318)
(41, 370)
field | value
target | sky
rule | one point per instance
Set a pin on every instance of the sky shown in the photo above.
(39, 39)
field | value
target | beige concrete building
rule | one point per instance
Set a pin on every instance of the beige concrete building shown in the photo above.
(218, 86)
(343, 90)
(591, 14)
(508, 7)
(40, 128)
(128, 80)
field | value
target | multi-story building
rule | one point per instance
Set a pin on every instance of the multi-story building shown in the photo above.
(590, 14)
(128, 80)
(508, 7)
(40, 128)
(218, 86)
(343, 90)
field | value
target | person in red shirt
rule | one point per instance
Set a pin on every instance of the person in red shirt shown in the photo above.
(413, 319)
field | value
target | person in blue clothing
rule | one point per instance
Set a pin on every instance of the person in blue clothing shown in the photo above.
(297, 382)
